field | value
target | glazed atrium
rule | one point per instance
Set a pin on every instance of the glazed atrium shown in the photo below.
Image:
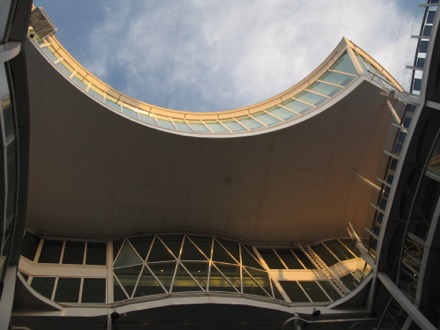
(317, 208)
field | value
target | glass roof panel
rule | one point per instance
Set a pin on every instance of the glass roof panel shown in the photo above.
(337, 78)
(198, 126)
(311, 98)
(147, 119)
(148, 285)
(233, 125)
(265, 118)
(127, 256)
(249, 122)
(164, 271)
(217, 282)
(216, 127)
(345, 64)
(182, 126)
(282, 113)
(325, 89)
(165, 123)
(297, 106)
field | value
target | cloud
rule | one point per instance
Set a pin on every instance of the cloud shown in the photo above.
(230, 53)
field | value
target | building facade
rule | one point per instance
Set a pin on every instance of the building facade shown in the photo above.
(316, 208)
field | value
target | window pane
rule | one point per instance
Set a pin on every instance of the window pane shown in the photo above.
(73, 253)
(337, 78)
(345, 64)
(325, 254)
(271, 259)
(339, 250)
(67, 290)
(43, 285)
(93, 290)
(51, 252)
(96, 254)
(30, 245)
(289, 259)
(294, 291)
(314, 291)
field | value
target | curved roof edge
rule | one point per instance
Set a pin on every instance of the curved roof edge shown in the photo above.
(329, 82)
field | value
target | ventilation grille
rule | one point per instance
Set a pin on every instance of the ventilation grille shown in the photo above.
(41, 23)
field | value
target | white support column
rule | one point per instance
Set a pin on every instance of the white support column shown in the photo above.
(7, 297)
(393, 112)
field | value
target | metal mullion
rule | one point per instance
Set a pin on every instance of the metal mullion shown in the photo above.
(62, 253)
(258, 121)
(54, 289)
(304, 102)
(189, 273)
(384, 182)
(270, 114)
(282, 261)
(347, 248)
(169, 250)
(329, 83)
(155, 277)
(189, 125)
(73, 74)
(172, 123)
(227, 128)
(140, 257)
(137, 281)
(38, 252)
(242, 124)
(210, 262)
(199, 249)
(227, 251)
(256, 280)
(150, 248)
(85, 252)
(174, 276)
(292, 111)
(299, 261)
(206, 126)
(299, 284)
(344, 73)
(334, 255)
(45, 45)
(225, 277)
(241, 268)
(58, 60)
(325, 292)
(316, 93)
(81, 285)
(377, 208)
(122, 287)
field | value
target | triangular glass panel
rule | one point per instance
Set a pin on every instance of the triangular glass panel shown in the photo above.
(164, 272)
(191, 252)
(217, 282)
(250, 286)
(173, 242)
(118, 292)
(220, 254)
(248, 259)
(345, 64)
(232, 273)
(159, 252)
(128, 277)
(142, 245)
(198, 270)
(116, 247)
(183, 281)
(127, 256)
(148, 285)
(233, 248)
(262, 278)
(203, 243)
